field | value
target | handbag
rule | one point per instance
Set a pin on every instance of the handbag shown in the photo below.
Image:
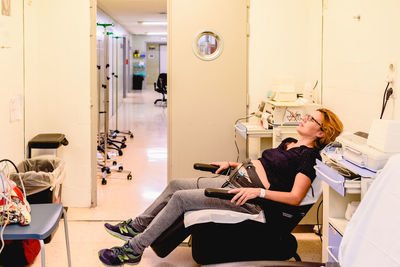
(14, 208)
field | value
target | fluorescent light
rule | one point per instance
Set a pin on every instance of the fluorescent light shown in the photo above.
(153, 22)
(156, 33)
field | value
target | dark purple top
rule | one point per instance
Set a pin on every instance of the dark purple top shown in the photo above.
(282, 166)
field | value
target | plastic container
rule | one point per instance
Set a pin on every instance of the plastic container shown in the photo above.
(42, 177)
(137, 82)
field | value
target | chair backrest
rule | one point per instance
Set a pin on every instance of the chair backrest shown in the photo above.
(283, 217)
(162, 81)
(313, 193)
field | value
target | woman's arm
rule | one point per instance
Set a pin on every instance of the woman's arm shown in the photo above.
(224, 165)
(301, 185)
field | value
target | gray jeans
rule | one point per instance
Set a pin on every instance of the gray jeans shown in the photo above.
(179, 196)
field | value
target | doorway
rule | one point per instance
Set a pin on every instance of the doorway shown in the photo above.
(156, 58)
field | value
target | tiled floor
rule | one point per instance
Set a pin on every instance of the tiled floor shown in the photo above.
(146, 157)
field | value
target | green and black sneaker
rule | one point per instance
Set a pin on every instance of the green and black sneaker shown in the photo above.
(122, 230)
(118, 256)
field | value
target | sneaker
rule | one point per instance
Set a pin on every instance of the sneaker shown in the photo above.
(118, 256)
(122, 230)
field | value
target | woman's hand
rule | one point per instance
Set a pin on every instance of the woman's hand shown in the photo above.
(243, 194)
(221, 164)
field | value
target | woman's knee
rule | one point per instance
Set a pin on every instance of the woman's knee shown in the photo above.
(179, 184)
(175, 183)
(185, 199)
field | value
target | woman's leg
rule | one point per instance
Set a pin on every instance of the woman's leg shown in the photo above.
(143, 220)
(180, 202)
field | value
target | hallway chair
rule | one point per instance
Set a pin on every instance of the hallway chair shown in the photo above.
(220, 236)
(161, 87)
(45, 219)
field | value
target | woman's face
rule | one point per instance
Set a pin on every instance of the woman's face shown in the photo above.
(310, 125)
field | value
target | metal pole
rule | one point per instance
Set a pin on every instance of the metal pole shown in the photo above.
(116, 83)
(98, 105)
(106, 93)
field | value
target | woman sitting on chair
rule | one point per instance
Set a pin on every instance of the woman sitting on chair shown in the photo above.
(284, 173)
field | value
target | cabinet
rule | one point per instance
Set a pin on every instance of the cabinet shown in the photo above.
(257, 138)
(338, 192)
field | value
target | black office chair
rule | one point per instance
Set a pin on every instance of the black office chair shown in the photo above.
(232, 242)
(161, 87)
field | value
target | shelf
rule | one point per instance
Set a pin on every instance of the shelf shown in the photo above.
(339, 224)
(336, 181)
(252, 130)
(352, 187)
(297, 103)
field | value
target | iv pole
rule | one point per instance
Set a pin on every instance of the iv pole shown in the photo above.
(106, 169)
(117, 131)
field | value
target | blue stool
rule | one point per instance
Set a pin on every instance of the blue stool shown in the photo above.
(45, 218)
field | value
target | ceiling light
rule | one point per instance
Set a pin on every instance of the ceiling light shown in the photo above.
(153, 23)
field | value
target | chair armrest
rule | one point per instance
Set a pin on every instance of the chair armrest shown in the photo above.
(282, 216)
(209, 168)
(223, 194)
(218, 193)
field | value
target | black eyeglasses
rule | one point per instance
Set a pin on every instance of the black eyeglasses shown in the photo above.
(311, 118)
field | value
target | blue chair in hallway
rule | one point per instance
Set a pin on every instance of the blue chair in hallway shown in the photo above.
(45, 219)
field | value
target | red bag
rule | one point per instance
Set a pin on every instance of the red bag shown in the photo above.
(18, 253)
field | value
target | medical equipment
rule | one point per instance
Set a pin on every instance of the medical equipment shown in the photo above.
(114, 133)
(356, 150)
(286, 116)
(384, 136)
(283, 96)
(104, 142)
(289, 113)
(285, 91)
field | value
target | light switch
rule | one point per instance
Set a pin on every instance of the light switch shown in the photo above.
(16, 108)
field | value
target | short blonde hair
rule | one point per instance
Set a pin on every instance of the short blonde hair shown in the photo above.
(331, 126)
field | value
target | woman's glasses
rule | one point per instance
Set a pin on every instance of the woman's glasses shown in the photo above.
(311, 118)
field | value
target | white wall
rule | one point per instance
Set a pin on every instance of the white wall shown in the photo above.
(59, 87)
(356, 58)
(285, 42)
(12, 84)
(138, 41)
